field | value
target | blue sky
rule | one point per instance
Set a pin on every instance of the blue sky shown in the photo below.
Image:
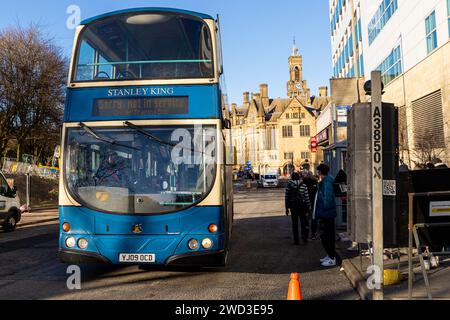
(257, 35)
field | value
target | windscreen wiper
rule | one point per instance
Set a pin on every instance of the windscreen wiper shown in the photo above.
(91, 132)
(147, 134)
(154, 138)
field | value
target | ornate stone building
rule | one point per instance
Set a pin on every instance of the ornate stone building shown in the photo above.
(275, 134)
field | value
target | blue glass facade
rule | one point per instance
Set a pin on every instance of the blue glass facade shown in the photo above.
(337, 14)
(391, 67)
(384, 13)
(344, 57)
(347, 50)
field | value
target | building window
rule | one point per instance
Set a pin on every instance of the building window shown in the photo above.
(305, 155)
(358, 31)
(303, 115)
(273, 138)
(430, 26)
(288, 115)
(288, 156)
(305, 131)
(448, 16)
(361, 65)
(391, 67)
(384, 13)
(287, 132)
(297, 74)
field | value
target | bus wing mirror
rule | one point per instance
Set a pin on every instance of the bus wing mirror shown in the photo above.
(226, 123)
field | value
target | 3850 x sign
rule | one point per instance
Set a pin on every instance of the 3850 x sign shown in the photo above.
(377, 118)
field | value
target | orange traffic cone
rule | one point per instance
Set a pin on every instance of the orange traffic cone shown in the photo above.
(295, 290)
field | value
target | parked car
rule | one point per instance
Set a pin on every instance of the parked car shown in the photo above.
(270, 180)
(10, 212)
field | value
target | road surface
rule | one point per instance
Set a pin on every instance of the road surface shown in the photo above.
(261, 260)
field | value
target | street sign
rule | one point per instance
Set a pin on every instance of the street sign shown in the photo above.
(314, 145)
(439, 209)
(342, 115)
(377, 182)
(322, 137)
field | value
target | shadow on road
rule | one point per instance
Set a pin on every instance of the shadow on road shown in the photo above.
(260, 247)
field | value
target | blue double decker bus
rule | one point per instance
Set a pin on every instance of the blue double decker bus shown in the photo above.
(144, 171)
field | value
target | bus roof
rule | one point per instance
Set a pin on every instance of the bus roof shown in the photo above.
(146, 9)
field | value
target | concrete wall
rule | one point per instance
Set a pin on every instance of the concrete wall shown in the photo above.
(345, 91)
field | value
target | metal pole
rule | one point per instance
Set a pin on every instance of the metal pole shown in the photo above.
(422, 263)
(377, 182)
(410, 247)
(28, 181)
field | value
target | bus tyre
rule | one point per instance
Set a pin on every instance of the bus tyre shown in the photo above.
(11, 223)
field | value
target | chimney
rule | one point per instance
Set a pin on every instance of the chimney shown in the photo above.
(256, 96)
(246, 97)
(264, 90)
(323, 92)
(234, 108)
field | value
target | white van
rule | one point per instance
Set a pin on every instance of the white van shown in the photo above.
(10, 213)
(270, 180)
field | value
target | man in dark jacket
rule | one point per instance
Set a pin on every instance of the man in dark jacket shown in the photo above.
(298, 205)
(325, 211)
(311, 182)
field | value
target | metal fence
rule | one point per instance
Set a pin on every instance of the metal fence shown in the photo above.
(37, 185)
(12, 167)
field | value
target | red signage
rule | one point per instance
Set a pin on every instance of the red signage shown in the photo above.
(313, 145)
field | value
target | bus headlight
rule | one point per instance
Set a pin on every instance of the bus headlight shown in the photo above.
(83, 243)
(207, 243)
(70, 242)
(193, 244)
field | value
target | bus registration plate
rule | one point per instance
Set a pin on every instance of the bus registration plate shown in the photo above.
(137, 258)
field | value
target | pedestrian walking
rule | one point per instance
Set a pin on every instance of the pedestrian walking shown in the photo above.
(312, 184)
(325, 211)
(298, 205)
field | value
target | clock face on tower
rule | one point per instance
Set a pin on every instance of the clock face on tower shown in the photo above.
(298, 86)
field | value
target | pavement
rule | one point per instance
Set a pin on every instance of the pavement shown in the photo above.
(262, 257)
(355, 268)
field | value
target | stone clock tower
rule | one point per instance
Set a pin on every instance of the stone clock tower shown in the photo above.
(296, 87)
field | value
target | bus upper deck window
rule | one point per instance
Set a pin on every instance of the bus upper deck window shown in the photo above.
(145, 46)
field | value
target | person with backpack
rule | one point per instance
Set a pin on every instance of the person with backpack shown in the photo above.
(298, 205)
(325, 211)
(311, 183)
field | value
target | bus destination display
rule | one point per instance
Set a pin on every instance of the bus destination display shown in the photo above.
(142, 106)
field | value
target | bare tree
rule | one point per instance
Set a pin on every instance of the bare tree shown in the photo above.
(427, 149)
(32, 80)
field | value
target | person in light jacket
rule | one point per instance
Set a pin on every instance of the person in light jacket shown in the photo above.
(325, 211)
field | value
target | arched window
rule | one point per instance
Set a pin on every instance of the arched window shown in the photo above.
(297, 74)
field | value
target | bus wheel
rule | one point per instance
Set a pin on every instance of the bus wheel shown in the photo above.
(10, 223)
